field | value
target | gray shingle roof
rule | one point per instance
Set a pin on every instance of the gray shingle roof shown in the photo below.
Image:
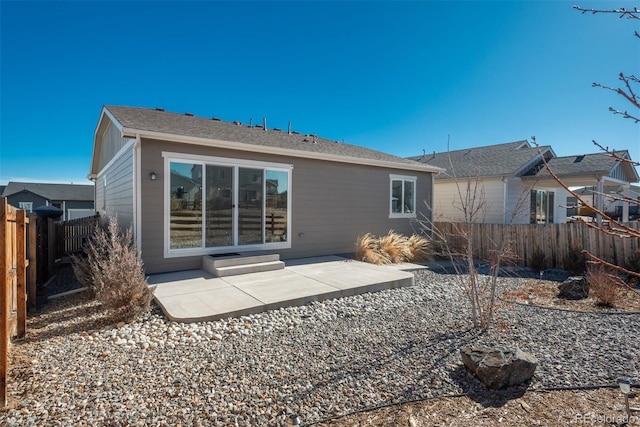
(52, 191)
(585, 163)
(492, 160)
(146, 119)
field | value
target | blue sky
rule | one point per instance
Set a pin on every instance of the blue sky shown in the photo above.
(400, 77)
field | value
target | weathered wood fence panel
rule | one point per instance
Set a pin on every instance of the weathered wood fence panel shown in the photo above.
(13, 284)
(71, 235)
(555, 241)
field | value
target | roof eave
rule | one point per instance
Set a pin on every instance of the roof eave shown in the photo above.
(242, 146)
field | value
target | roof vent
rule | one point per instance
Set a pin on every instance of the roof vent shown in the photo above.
(237, 123)
(295, 132)
(217, 119)
(289, 128)
(188, 114)
(579, 159)
(278, 129)
(159, 109)
(264, 123)
(250, 121)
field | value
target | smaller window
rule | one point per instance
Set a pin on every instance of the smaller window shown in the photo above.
(26, 206)
(403, 196)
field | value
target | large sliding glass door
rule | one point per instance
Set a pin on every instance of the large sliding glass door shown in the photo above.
(218, 206)
(250, 206)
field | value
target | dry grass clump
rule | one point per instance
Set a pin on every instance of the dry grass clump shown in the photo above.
(603, 287)
(368, 250)
(391, 248)
(396, 247)
(113, 271)
(420, 248)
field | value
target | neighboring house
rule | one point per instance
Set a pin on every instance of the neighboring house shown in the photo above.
(75, 200)
(613, 206)
(191, 186)
(514, 183)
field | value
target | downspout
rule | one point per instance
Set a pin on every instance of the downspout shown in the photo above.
(504, 199)
(599, 200)
(137, 191)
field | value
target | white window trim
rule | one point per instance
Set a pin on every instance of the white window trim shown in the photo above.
(404, 178)
(221, 161)
(26, 206)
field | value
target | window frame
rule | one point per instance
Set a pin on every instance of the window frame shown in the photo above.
(403, 179)
(235, 164)
(547, 198)
(26, 206)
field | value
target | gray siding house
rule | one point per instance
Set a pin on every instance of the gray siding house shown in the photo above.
(75, 200)
(191, 186)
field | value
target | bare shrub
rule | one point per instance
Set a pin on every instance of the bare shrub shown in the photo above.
(396, 247)
(112, 269)
(368, 250)
(603, 287)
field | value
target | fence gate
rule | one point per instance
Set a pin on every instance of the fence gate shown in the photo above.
(13, 284)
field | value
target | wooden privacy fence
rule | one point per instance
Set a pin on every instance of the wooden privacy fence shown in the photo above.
(14, 236)
(71, 235)
(555, 241)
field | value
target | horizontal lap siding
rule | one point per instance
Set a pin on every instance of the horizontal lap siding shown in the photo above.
(448, 206)
(332, 203)
(118, 192)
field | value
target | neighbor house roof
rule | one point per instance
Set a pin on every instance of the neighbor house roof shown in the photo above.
(596, 163)
(509, 159)
(160, 124)
(51, 191)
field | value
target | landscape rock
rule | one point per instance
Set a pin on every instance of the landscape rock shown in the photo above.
(499, 368)
(575, 287)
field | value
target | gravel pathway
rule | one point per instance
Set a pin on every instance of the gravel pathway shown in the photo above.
(318, 361)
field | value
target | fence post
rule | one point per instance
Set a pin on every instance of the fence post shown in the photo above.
(5, 282)
(21, 274)
(33, 260)
(51, 246)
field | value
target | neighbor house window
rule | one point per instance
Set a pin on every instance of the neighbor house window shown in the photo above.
(403, 196)
(26, 206)
(218, 205)
(542, 207)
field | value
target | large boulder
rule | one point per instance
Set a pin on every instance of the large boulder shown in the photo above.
(575, 287)
(499, 368)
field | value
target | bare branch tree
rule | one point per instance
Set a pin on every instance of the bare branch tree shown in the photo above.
(624, 13)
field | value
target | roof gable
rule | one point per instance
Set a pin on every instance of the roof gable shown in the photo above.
(156, 123)
(52, 191)
(601, 164)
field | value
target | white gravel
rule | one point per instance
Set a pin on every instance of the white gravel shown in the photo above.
(318, 361)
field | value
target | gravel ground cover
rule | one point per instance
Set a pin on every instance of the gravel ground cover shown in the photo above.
(318, 361)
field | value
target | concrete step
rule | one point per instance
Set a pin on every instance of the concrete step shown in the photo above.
(230, 260)
(241, 264)
(258, 267)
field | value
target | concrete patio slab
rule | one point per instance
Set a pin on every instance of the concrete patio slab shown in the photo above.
(196, 295)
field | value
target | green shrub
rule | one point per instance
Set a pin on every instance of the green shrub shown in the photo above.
(574, 261)
(113, 271)
(538, 261)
